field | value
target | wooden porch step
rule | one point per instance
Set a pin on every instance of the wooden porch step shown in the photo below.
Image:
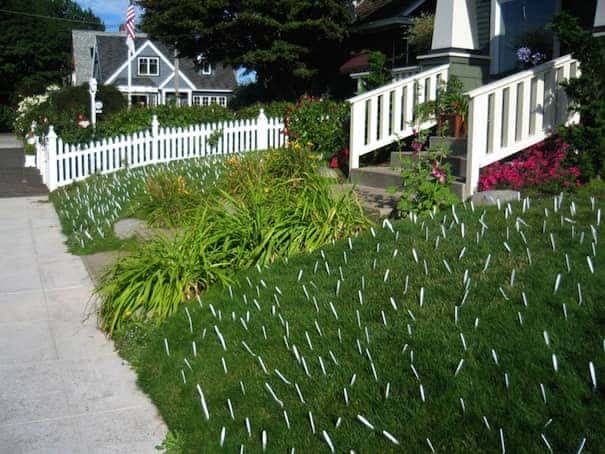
(385, 177)
(457, 162)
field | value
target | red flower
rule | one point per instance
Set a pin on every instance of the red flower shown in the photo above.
(334, 162)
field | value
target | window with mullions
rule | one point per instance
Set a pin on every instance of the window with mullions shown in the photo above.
(149, 66)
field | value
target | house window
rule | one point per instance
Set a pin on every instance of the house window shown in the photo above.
(199, 100)
(149, 66)
(206, 68)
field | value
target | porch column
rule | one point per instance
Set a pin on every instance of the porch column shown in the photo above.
(455, 25)
(455, 42)
(599, 19)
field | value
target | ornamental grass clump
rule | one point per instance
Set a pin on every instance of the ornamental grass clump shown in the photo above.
(265, 207)
(168, 199)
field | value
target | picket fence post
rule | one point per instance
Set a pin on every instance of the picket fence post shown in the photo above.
(155, 145)
(52, 165)
(262, 124)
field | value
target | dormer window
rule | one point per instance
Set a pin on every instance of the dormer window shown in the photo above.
(204, 65)
(206, 68)
(149, 66)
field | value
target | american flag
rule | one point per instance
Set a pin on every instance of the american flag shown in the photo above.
(130, 34)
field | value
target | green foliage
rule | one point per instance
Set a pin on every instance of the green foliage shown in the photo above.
(405, 338)
(320, 125)
(172, 444)
(35, 51)
(586, 95)
(379, 73)
(425, 178)
(29, 149)
(451, 100)
(275, 109)
(420, 35)
(63, 107)
(154, 280)
(272, 215)
(294, 47)
(168, 199)
(7, 118)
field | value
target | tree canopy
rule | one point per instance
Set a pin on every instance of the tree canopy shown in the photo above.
(35, 43)
(294, 46)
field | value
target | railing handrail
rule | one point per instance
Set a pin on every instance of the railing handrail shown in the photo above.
(517, 77)
(385, 88)
(511, 114)
(393, 71)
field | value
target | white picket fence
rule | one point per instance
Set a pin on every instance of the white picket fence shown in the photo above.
(61, 164)
(514, 113)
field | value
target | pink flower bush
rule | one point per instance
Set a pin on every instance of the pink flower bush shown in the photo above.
(438, 173)
(540, 166)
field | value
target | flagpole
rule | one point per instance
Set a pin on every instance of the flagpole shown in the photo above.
(130, 34)
(129, 79)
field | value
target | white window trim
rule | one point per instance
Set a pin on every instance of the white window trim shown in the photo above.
(207, 100)
(148, 73)
(206, 72)
(148, 44)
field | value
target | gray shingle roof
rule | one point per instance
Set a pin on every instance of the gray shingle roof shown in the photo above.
(113, 53)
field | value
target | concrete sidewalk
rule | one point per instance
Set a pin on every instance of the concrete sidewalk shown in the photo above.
(63, 388)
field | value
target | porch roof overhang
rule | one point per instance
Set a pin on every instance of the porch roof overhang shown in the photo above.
(383, 24)
(357, 63)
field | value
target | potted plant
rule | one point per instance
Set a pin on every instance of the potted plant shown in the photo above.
(452, 109)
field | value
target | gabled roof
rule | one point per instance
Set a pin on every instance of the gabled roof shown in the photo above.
(112, 54)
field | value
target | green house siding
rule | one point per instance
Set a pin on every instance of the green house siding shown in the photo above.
(483, 24)
(472, 71)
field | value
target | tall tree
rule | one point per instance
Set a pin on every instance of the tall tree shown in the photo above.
(294, 46)
(35, 43)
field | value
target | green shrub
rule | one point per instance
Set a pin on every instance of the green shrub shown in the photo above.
(318, 124)
(7, 118)
(139, 118)
(425, 180)
(379, 73)
(168, 198)
(420, 35)
(62, 107)
(29, 149)
(275, 109)
(586, 95)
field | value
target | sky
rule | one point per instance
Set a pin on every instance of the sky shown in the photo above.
(113, 12)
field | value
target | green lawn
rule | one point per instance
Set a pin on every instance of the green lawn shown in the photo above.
(89, 209)
(393, 331)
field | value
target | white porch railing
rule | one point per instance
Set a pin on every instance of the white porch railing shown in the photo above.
(381, 116)
(61, 164)
(517, 112)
